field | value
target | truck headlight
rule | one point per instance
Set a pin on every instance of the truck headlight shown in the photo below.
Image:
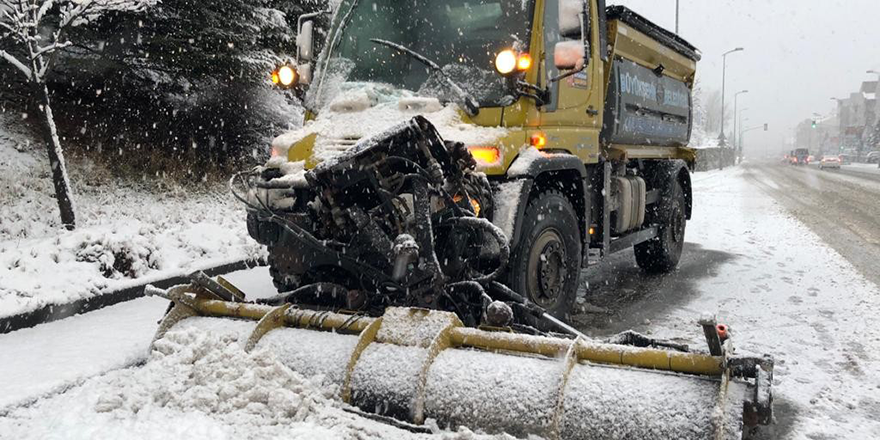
(505, 62)
(287, 76)
(509, 61)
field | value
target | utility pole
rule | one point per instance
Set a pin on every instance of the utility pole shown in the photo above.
(721, 139)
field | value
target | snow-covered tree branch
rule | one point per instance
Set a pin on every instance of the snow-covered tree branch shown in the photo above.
(34, 33)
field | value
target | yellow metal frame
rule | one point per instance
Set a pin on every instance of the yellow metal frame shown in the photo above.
(456, 335)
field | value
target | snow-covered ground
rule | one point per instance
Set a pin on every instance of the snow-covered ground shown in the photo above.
(85, 378)
(130, 231)
(781, 289)
(786, 293)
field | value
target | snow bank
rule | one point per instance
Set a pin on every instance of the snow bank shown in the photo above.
(128, 231)
(201, 385)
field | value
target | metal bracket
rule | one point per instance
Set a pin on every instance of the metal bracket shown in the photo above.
(570, 360)
(180, 311)
(366, 338)
(709, 325)
(441, 342)
(269, 322)
(213, 287)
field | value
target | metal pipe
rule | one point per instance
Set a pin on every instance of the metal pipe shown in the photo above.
(691, 363)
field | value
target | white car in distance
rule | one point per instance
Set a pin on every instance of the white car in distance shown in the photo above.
(829, 162)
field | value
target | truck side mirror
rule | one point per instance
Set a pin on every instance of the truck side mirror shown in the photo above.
(305, 42)
(569, 54)
(570, 11)
(574, 22)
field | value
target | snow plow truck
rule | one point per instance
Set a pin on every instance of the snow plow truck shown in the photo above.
(459, 164)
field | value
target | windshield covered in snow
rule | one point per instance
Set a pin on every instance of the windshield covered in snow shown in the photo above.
(461, 36)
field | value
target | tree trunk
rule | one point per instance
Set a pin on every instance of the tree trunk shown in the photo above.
(63, 192)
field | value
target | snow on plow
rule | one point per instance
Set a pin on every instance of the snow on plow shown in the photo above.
(417, 365)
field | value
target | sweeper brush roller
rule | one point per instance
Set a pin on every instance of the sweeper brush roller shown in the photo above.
(415, 365)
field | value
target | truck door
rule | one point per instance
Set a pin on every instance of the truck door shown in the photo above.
(572, 119)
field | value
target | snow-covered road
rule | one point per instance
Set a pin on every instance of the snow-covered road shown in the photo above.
(782, 290)
(780, 287)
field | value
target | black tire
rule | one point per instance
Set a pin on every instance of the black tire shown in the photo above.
(549, 230)
(661, 254)
(283, 280)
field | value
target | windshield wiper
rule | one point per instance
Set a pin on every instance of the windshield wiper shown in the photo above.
(471, 107)
(346, 19)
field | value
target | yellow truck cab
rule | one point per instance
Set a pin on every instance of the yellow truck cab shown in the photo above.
(578, 114)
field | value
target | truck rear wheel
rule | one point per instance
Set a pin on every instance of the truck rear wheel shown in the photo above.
(662, 254)
(545, 265)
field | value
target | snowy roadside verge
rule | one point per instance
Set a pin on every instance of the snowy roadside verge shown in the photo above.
(54, 312)
(130, 232)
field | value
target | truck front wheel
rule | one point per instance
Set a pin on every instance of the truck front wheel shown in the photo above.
(281, 271)
(661, 254)
(545, 265)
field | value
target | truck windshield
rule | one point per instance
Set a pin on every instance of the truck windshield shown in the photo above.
(461, 36)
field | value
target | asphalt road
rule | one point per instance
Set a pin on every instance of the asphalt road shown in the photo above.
(840, 206)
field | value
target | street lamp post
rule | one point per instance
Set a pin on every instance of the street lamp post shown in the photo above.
(676, 16)
(813, 129)
(841, 123)
(741, 120)
(735, 112)
(723, 88)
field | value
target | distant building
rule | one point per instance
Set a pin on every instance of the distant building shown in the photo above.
(820, 135)
(858, 117)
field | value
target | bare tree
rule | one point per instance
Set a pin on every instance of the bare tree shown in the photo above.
(34, 31)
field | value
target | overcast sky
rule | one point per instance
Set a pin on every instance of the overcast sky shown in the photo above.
(798, 53)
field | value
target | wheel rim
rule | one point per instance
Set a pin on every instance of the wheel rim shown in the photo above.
(547, 269)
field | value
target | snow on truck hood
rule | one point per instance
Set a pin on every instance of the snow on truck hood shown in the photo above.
(367, 110)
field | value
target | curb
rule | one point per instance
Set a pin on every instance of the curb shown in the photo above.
(55, 312)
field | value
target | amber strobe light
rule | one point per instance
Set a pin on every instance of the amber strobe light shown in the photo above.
(485, 155)
(524, 62)
(538, 140)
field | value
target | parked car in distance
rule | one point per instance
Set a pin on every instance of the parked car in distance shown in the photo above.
(810, 159)
(873, 157)
(829, 162)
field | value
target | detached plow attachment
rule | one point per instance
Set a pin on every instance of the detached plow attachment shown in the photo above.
(415, 365)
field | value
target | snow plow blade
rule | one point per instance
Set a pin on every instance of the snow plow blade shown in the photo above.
(417, 365)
